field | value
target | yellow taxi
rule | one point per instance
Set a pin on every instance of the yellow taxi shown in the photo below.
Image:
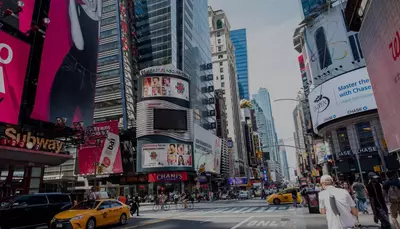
(91, 214)
(284, 196)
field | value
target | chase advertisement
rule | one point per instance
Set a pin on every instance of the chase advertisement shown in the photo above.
(348, 94)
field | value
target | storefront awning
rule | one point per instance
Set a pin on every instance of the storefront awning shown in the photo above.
(32, 156)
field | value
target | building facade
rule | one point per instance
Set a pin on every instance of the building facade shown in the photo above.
(284, 160)
(225, 78)
(239, 40)
(176, 33)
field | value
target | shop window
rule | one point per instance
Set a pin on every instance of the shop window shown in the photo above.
(343, 138)
(4, 170)
(35, 180)
(365, 135)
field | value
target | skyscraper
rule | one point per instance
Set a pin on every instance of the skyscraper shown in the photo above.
(176, 33)
(284, 160)
(224, 74)
(239, 40)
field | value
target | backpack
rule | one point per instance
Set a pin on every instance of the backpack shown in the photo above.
(394, 194)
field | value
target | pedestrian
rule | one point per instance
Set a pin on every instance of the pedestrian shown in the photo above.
(337, 205)
(136, 205)
(294, 197)
(347, 187)
(92, 194)
(378, 204)
(360, 192)
(392, 188)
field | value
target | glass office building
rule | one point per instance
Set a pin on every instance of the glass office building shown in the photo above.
(239, 40)
(175, 32)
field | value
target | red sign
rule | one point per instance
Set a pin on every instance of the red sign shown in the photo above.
(168, 176)
(394, 46)
(301, 63)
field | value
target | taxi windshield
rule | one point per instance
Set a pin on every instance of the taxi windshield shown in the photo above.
(86, 205)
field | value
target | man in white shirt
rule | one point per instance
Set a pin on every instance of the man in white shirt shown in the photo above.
(347, 217)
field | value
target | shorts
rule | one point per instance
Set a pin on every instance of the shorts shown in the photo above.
(395, 210)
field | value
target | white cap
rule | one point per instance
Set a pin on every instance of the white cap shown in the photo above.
(326, 179)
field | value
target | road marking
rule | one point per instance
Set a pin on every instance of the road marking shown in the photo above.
(262, 209)
(250, 210)
(231, 210)
(218, 210)
(271, 209)
(240, 210)
(241, 223)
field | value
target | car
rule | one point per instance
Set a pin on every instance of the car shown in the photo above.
(91, 214)
(32, 210)
(284, 196)
(224, 196)
(243, 195)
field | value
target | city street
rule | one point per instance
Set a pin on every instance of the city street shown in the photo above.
(234, 215)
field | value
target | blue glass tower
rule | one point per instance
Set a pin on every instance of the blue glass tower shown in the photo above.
(239, 40)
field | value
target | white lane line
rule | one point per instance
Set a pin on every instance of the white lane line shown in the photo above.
(241, 210)
(271, 209)
(250, 210)
(219, 210)
(241, 223)
(262, 209)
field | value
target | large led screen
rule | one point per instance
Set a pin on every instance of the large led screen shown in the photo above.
(347, 94)
(168, 119)
(24, 20)
(166, 155)
(207, 150)
(165, 86)
(14, 56)
(67, 77)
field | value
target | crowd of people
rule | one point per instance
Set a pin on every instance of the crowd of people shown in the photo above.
(342, 203)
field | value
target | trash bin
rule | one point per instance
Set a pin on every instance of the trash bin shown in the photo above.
(313, 202)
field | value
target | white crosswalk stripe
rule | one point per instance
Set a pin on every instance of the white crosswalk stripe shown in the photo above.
(241, 210)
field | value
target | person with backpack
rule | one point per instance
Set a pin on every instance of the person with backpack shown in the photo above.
(378, 204)
(392, 188)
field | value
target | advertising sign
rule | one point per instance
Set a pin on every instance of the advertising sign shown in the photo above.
(238, 181)
(383, 63)
(105, 154)
(166, 155)
(207, 150)
(321, 150)
(128, 153)
(166, 69)
(330, 49)
(163, 86)
(67, 77)
(14, 55)
(344, 95)
(24, 20)
(310, 6)
(168, 176)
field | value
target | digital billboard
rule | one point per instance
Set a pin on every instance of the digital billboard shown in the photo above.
(348, 94)
(165, 86)
(380, 42)
(207, 150)
(159, 155)
(14, 56)
(330, 48)
(67, 77)
(310, 6)
(106, 154)
(24, 20)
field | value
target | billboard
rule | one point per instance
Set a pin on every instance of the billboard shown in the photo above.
(330, 48)
(161, 155)
(165, 86)
(207, 150)
(24, 20)
(14, 56)
(380, 37)
(310, 6)
(67, 77)
(106, 153)
(321, 150)
(344, 95)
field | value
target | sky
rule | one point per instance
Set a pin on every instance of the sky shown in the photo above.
(272, 59)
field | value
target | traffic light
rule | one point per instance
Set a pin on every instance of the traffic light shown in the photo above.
(100, 169)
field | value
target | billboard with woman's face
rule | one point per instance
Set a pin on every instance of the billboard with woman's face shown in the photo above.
(67, 78)
(165, 86)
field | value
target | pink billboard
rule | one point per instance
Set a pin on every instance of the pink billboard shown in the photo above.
(14, 56)
(24, 20)
(67, 77)
(380, 43)
(106, 153)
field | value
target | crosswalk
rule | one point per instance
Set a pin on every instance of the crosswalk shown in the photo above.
(236, 210)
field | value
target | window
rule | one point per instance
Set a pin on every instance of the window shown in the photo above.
(329, 139)
(108, 59)
(219, 24)
(108, 33)
(31, 200)
(343, 138)
(222, 84)
(108, 46)
(108, 8)
(111, 73)
(219, 41)
(218, 34)
(107, 21)
(217, 77)
(365, 135)
(107, 89)
(324, 54)
(221, 63)
(58, 198)
(222, 77)
(221, 70)
(115, 204)
(219, 48)
(354, 48)
(104, 205)
(220, 56)
(107, 104)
